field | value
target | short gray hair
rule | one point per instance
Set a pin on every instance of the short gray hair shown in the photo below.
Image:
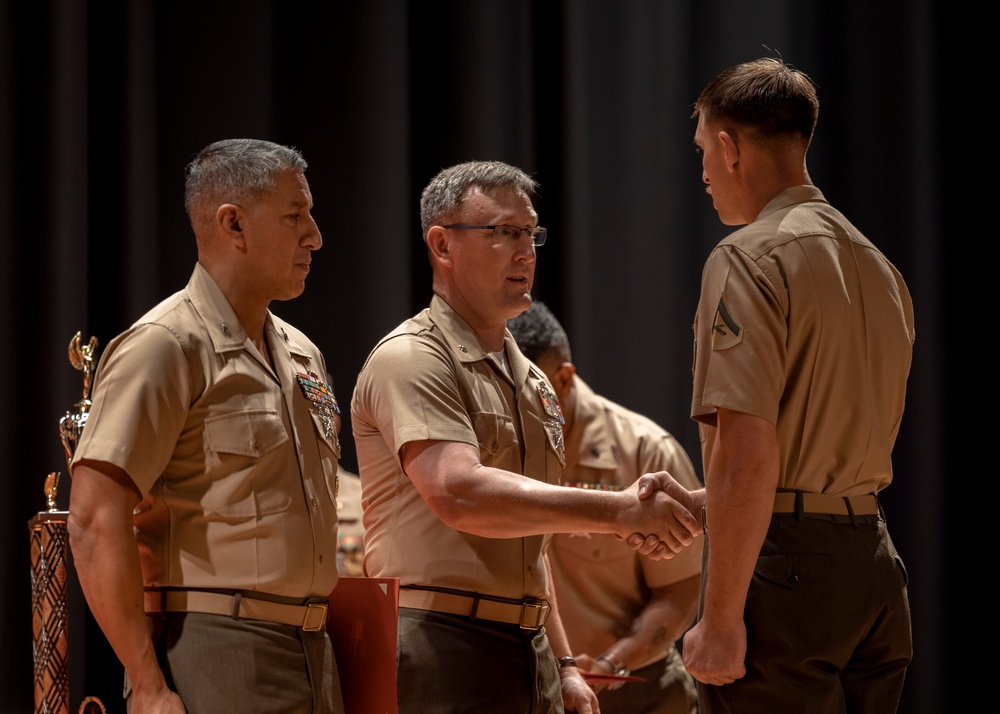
(447, 191)
(237, 171)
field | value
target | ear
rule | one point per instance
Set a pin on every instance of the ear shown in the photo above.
(562, 380)
(439, 245)
(730, 150)
(229, 217)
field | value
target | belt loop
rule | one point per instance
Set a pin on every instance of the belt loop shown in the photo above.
(850, 510)
(475, 605)
(799, 506)
(237, 598)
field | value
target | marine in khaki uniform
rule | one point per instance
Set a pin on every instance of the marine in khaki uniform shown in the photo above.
(622, 611)
(212, 445)
(460, 449)
(803, 341)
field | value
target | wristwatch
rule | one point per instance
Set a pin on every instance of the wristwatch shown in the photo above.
(566, 662)
(618, 666)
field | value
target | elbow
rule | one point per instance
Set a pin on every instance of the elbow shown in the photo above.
(460, 514)
(81, 529)
(449, 510)
(80, 538)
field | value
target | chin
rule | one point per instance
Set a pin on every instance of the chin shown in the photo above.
(292, 292)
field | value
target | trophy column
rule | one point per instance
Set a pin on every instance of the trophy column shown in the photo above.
(49, 549)
(49, 546)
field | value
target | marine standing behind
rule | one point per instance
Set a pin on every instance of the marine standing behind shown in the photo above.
(622, 611)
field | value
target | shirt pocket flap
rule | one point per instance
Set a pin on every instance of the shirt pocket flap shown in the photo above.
(248, 433)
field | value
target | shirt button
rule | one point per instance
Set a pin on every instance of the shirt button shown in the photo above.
(315, 503)
(254, 445)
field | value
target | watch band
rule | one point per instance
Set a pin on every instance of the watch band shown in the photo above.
(618, 666)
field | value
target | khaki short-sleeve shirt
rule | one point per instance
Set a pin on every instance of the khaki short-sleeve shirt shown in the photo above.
(600, 582)
(430, 379)
(803, 322)
(237, 462)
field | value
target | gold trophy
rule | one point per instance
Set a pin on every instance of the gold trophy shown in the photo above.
(49, 549)
(71, 426)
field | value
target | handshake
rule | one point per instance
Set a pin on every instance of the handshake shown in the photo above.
(663, 516)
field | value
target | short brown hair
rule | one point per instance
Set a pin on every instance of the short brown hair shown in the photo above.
(763, 99)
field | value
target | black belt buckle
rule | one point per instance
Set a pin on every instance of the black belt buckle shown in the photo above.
(538, 609)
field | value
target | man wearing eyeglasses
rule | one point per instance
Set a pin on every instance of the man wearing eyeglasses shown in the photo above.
(460, 452)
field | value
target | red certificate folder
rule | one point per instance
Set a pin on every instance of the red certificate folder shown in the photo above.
(363, 624)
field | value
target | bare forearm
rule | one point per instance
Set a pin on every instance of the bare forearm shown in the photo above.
(495, 503)
(660, 624)
(740, 487)
(484, 503)
(108, 569)
(106, 558)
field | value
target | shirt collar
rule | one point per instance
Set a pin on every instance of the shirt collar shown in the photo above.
(789, 197)
(224, 327)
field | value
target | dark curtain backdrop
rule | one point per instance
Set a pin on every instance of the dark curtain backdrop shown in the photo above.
(102, 104)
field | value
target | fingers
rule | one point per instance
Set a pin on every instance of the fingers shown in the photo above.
(677, 505)
(658, 481)
(650, 546)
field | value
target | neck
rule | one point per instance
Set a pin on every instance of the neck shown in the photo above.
(768, 175)
(250, 310)
(490, 333)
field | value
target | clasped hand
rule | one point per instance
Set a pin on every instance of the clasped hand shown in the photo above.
(666, 520)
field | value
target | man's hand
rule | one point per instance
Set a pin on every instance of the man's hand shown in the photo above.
(715, 655)
(654, 544)
(671, 524)
(576, 693)
(162, 701)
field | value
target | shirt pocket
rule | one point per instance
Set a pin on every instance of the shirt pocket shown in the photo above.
(248, 469)
(497, 439)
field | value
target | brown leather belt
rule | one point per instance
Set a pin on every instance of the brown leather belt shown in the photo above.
(529, 614)
(866, 505)
(310, 617)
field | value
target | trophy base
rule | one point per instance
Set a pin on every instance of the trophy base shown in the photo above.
(47, 517)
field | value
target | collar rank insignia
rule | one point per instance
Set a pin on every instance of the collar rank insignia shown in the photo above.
(321, 395)
(550, 402)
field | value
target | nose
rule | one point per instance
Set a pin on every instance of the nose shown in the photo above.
(704, 177)
(525, 246)
(313, 239)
